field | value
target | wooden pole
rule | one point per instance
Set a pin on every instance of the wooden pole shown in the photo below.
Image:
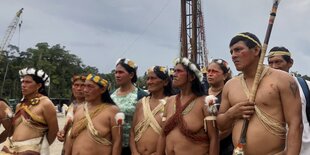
(242, 142)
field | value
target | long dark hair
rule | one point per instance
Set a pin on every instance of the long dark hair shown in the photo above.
(197, 87)
(164, 75)
(106, 98)
(42, 89)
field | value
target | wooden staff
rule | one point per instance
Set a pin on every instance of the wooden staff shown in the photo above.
(242, 142)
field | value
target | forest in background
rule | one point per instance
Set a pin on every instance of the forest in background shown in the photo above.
(58, 63)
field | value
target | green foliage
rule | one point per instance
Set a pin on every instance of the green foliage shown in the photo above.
(56, 61)
(141, 82)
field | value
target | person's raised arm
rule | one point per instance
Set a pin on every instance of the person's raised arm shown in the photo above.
(228, 113)
(291, 105)
(224, 118)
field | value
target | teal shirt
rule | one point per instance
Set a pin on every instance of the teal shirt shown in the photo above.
(126, 104)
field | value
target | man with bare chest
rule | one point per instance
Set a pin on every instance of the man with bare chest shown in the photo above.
(34, 125)
(276, 104)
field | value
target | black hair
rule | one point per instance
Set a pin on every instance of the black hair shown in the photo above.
(168, 90)
(3, 100)
(224, 67)
(42, 89)
(248, 42)
(287, 58)
(106, 98)
(129, 69)
(73, 80)
(197, 87)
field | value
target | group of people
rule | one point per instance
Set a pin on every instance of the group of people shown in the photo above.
(177, 115)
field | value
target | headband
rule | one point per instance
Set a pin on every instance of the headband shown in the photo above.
(39, 73)
(273, 53)
(98, 80)
(78, 77)
(128, 62)
(191, 66)
(160, 71)
(221, 62)
(250, 38)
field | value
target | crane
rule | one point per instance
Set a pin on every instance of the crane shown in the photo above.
(10, 31)
(6, 40)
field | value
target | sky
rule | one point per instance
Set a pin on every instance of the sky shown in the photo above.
(148, 31)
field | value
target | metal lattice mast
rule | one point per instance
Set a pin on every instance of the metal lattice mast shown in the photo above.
(193, 42)
(10, 31)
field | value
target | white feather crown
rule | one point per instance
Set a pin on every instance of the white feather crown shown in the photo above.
(191, 66)
(39, 73)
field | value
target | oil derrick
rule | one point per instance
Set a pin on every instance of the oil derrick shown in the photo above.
(193, 42)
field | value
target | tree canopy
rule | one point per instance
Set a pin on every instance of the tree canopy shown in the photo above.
(55, 60)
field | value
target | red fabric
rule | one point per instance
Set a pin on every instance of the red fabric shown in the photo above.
(177, 120)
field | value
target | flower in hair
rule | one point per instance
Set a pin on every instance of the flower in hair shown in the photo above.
(191, 66)
(129, 62)
(98, 80)
(163, 69)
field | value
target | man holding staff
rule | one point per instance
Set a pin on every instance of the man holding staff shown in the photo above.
(277, 103)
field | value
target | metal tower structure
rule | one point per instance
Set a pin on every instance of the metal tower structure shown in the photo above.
(193, 42)
(10, 31)
(6, 40)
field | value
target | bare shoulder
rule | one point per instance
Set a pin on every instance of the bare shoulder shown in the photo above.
(200, 102)
(3, 105)
(114, 109)
(139, 103)
(47, 103)
(201, 99)
(231, 84)
(170, 100)
(279, 75)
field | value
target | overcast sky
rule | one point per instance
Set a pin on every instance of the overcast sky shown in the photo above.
(147, 31)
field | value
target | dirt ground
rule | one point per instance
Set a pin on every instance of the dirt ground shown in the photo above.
(56, 147)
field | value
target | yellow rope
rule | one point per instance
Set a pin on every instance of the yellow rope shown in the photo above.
(272, 125)
(149, 119)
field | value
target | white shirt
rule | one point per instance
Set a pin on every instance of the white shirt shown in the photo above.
(305, 145)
